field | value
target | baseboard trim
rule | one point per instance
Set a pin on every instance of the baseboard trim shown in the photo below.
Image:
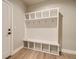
(8, 57)
(15, 51)
(63, 50)
(69, 51)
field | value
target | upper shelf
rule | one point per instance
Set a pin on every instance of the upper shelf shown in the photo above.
(48, 13)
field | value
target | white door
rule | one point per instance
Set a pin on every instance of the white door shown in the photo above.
(6, 23)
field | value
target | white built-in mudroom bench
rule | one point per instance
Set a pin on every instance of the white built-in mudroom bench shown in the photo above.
(43, 31)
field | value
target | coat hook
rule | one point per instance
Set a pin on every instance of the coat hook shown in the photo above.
(33, 22)
(45, 20)
(28, 22)
(52, 20)
(38, 21)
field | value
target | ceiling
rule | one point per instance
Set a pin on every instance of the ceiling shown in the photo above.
(30, 2)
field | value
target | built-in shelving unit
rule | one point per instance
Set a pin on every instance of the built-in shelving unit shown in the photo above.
(48, 21)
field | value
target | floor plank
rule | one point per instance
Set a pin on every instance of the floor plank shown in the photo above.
(31, 54)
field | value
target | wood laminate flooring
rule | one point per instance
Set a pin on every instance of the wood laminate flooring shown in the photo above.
(31, 54)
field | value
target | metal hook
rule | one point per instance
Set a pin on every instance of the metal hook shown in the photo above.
(39, 22)
(28, 22)
(33, 22)
(52, 20)
(45, 20)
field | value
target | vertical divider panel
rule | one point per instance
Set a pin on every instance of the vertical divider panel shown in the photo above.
(35, 15)
(41, 46)
(58, 48)
(58, 22)
(34, 45)
(28, 44)
(29, 16)
(49, 13)
(49, 48)
(41, 14)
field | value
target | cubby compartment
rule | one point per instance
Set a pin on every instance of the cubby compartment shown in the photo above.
(45, 13)
(32, 16)
(38, 15)
(27, 16)
(53, 12)
(38, 46)
(45, 47)
(53, 49)
(26, 44)
(31, 45)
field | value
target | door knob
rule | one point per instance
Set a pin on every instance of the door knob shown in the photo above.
(9, 33)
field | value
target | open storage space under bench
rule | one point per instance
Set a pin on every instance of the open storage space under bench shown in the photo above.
(43, 47)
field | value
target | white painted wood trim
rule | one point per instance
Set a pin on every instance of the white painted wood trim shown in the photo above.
(41, 46)
(63, 50)
(69, 51)
(34, 44)
(15, 51)
(44, 42)
(12, 30)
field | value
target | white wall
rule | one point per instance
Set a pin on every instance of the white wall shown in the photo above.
(67, 9)
(18, 25)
